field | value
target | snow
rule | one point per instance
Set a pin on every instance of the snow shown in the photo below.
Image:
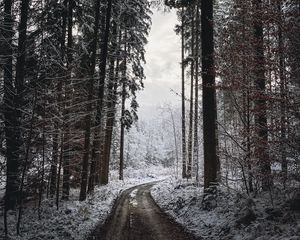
(132, 201)
(75, 220)
(230, 215)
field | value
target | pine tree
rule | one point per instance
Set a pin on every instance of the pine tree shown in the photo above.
(91, 63)
(261, 126)
(211, 162)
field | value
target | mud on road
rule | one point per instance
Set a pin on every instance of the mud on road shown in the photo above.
(137, 217)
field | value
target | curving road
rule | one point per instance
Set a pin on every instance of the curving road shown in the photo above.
(137, 217)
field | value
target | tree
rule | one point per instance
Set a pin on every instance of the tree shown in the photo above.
(122, 135)
(184, 169)
(183, 6)
(14, 102)
(88, 119)
(210, 142)
(191, 114)
(196, 112)
(261, 127)
(67, 134)
(282, 91)
(102, 74)
(11, 134)
(112, 76)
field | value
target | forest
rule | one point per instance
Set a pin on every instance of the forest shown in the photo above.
(75, 159)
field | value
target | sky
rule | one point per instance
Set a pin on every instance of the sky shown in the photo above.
(162, 67)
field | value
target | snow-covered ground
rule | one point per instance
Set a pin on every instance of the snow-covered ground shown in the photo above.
(75, 220)
(230, 215)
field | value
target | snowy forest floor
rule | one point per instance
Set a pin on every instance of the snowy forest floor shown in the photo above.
(230, 215)
(75, 220)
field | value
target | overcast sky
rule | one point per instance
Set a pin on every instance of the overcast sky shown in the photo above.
(162, 68)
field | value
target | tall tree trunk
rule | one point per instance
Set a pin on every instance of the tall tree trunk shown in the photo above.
(282, 93)
(248, 130)
(56, 137)
(175, 141)
(102, 76)
(113, 112)
(53, 169)
(59, 170)
(246, 111)
(25, 165)
(94, 166)
(60, 89)
(14, 102)
(112, 100)
(88, 118)
(122, 135)
(109, 131)
(190, 137)
(184, 175)
(109, 119)
(196, 115)
(42, 177)
(67, 137)
(12, 161)
(261, 127)
(211, 161)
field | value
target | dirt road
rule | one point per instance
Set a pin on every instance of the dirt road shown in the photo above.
(137, 217)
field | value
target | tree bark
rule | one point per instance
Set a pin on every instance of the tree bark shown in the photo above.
(59, 170)
(175, 141)
(122, 135)
(112, 102)
(67, 137)
(261, 127)
(284, 165)
(109, 118)
(12, 161)
(102, 75)
(53, 169)
(15, 102)
(211, 161)
(184, 174)
(88, 118)
(196, 114)
(42, 177)
(28, 145)
(60, 89)
(246, 112)
(191, 115)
